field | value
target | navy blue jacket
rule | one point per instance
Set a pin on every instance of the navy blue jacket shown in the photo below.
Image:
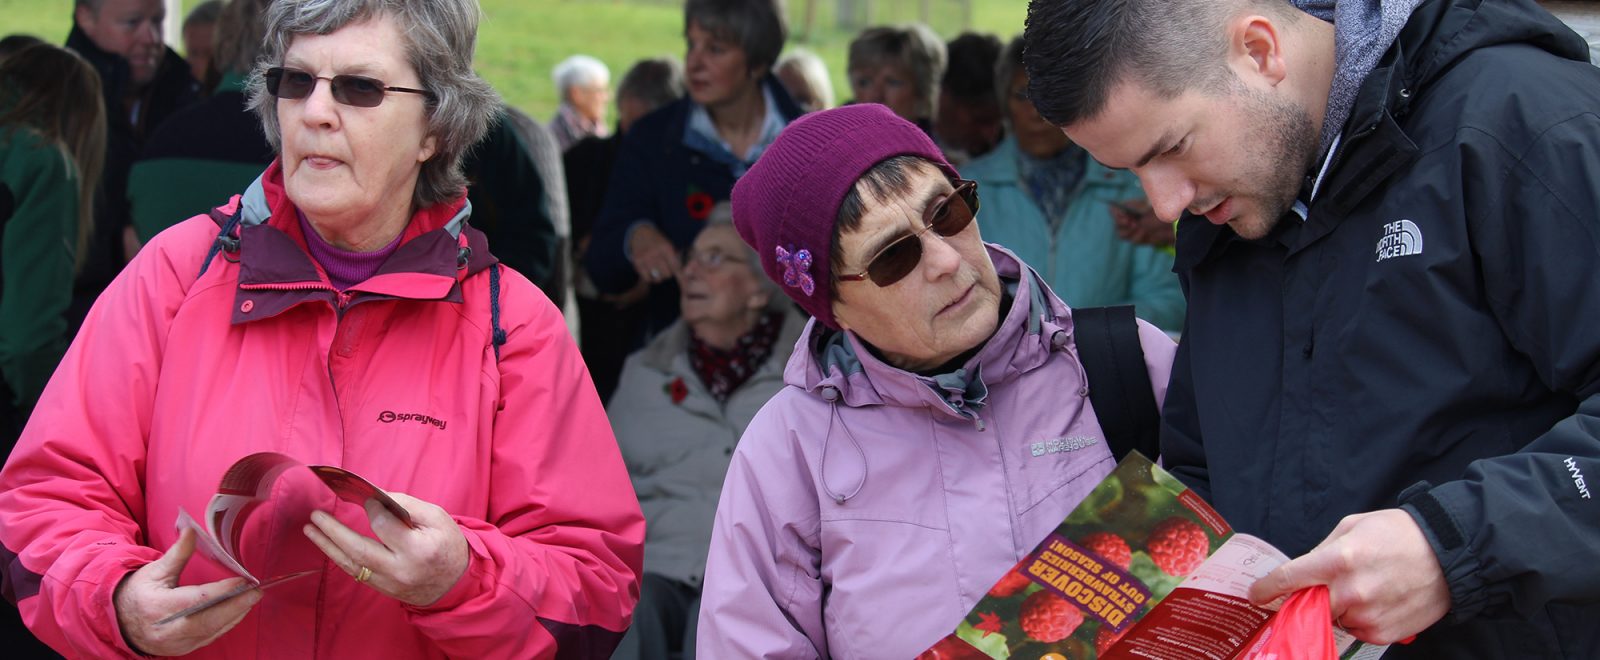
(660, 179)
(1428, 338)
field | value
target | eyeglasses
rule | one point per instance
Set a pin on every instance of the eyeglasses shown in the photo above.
(712, 259)
(898, 259)
(359, 91)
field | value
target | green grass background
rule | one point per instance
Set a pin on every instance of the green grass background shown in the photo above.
(520, 41)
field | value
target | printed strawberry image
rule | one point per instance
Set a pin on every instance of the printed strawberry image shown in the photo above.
(1012, 583)
(1111, 547)
(1047, 617)
(1178, 545)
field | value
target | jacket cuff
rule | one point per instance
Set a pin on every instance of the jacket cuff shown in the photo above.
(1439, 511)
(473, 581)
(627, 239)
(106, 593)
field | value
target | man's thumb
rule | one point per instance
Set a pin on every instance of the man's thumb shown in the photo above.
(170, 565)
(1298, 574)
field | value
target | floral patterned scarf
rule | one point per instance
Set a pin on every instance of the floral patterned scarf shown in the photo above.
(721, 371)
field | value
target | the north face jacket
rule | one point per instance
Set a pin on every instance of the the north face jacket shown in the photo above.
(1427, 337)
(868, 508)
(174, 378)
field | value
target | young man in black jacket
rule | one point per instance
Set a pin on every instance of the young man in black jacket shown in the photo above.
(1390, 224)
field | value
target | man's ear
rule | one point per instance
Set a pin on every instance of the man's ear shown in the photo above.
(85, 15)
(1256, 50)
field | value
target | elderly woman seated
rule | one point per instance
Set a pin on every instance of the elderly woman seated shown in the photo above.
(892, 481)
(683, 401)
(342, 294)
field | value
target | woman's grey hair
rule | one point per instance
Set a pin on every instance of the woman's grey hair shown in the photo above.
(579, 70)
(913, 46)
(654, 82)
(440, 36)
(1004, 68)
(722, 216)
(813, 71)
(758, 26)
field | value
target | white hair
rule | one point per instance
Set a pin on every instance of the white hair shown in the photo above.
(579, 70)
(813, 71)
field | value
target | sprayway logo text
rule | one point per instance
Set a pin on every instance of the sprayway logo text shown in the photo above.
(390, 417)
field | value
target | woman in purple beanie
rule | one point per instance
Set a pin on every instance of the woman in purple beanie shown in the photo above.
(935, 421)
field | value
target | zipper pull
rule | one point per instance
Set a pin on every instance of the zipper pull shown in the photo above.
(977, 422)
(344, 300)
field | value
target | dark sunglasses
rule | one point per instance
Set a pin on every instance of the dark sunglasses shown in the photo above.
(359, 91)
(898, 259)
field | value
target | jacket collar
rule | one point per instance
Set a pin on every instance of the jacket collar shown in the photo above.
(681, 110)
(438, 249)
(838, 365)
(113, 69)
(172, 87)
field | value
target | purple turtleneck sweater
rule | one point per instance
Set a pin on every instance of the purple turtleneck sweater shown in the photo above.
(345, 268)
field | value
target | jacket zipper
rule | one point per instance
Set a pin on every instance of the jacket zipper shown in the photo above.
(341, 302)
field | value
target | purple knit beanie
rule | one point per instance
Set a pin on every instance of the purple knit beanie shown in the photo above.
(785, 206)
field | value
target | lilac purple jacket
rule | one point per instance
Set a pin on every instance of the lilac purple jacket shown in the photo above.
(868, 508)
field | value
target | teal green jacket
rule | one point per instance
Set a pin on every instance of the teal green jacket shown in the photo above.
(37, 248)
(1080, 256)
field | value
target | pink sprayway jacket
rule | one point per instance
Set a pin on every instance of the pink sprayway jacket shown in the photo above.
(867, 509)
(174, 378)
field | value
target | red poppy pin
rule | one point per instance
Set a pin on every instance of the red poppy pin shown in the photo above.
(699, 204)
(677, 390)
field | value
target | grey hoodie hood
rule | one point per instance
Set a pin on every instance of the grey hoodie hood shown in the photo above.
(1362, 31)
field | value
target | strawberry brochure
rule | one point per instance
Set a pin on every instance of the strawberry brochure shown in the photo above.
(1142, 568)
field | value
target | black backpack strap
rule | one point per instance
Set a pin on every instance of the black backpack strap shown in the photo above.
(226, 240)
(1119, 384)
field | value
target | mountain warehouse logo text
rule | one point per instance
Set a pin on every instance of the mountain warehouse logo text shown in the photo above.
(390, 417)
(1400, 239)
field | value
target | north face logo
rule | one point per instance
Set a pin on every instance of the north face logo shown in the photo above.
(1400, 239)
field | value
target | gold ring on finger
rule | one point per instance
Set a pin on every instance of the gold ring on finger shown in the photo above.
(364, 574)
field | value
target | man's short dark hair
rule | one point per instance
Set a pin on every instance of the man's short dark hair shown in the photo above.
(1077, 51)
(969, 71)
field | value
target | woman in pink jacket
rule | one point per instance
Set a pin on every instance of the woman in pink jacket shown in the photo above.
(936, 421)
(342, 312)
